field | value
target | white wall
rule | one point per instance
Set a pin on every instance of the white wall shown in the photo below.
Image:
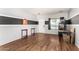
(76, 26)
(57, 15)
(42, 28)
(10, 33)
(41, 20)
(75, 19)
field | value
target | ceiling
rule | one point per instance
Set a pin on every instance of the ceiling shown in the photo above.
(26, 12)
(43, 11)
(36, 10)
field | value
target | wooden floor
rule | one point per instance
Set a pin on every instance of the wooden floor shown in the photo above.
(38, 42)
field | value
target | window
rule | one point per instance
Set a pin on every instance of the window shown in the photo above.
(54, 22)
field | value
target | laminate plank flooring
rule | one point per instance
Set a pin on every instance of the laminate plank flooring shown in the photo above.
(38, 42)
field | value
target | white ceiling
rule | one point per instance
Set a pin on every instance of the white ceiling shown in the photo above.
(26, 12)
(41, 11)
(36, 10)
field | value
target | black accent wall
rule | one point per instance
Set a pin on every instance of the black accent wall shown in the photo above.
(10, 20)
(49, 24)
(32, 22)
(68, 21)
(46, 22)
